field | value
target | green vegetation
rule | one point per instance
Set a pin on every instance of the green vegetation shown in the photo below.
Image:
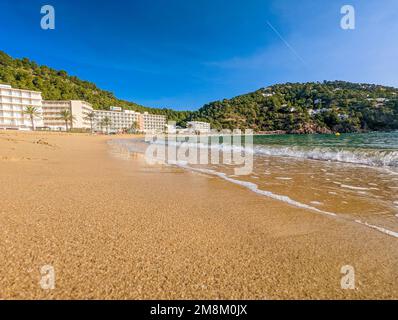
(106, 122)
(58, 85)
(307, 108)
(293, 107)
(133, 128)
(33, 113)
(90, 117)
(67, 116)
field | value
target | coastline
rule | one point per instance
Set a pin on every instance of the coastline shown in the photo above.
(117, 228)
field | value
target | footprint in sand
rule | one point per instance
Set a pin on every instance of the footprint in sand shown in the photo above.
(43, 142)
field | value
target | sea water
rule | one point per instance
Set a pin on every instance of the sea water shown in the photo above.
(352, 177)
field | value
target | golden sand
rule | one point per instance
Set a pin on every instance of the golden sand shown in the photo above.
(121, 229)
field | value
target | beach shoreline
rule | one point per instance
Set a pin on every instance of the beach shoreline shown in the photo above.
(115, 227)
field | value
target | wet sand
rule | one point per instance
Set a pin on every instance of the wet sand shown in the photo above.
(117, 228)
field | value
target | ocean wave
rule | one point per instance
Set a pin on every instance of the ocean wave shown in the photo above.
(376, 158)
(368, 157)
(129, 145)
(254, 188)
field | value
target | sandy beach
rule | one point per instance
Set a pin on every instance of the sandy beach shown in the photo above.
(114, 227)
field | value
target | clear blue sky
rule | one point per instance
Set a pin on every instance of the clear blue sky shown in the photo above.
(184, 53)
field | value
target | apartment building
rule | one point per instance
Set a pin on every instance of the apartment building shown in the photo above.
(152, 123)
(199, 126)
(119, 120)
(124, 120)
(13, 103)
(79, 109)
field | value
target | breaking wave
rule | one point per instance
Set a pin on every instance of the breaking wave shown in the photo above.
(369, 157)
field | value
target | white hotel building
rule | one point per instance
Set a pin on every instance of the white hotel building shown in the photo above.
(119, 120)
(152, 123)
(124, 119)
(79, 110)
(13, 102)
(203, 127)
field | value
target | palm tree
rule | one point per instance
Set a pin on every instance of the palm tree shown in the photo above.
(67, 116)
(133, 128)
(33, 113)
(106, 122)
(90, 117)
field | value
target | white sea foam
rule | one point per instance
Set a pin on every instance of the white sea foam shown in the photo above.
(253, 187)
(352, 187)
(367, 157)
(376, 158)
(384, 230)
(317, 203)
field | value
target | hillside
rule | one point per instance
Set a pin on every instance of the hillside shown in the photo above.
(292, 107)
(307, 108)
(58, 85)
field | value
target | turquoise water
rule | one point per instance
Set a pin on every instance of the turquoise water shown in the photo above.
(372, 140)
(377, 149)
